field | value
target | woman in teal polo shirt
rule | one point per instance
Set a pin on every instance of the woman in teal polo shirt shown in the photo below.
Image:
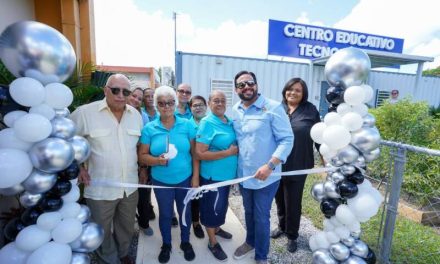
(216, 148)
(159, 139)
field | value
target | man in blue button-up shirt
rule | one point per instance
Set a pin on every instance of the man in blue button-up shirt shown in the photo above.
(265, 139)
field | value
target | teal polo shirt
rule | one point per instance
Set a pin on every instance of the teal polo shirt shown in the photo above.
(219, 136)
(186, 115)
(156, 135)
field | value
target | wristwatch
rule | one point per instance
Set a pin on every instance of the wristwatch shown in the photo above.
(271, 165)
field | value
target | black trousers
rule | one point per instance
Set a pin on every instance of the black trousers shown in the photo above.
(288, 200)
(195, 211)
(144, 206)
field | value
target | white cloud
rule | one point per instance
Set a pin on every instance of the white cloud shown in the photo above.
(304, 19)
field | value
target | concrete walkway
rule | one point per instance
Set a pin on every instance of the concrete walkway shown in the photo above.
(149, 247)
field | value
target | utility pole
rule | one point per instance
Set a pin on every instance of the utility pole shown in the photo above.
(175, 41)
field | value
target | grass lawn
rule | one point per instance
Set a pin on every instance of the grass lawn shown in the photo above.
(412, 242)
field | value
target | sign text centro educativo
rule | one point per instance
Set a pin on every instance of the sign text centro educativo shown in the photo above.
(307, 41)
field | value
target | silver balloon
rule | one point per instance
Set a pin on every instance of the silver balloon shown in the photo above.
(369, 120)
(89, 240)
(81, 147)
(62, 128)
(80, 258)
(349, 241)
(84, 214)
(356, 234)
(27, 199)
(62, 112)
(335, 161)
(354, 260)
(16, 189)
(331, 190)
(32, 49)
(39, 182)
(339, 251)
(360, 162)
(359, 249)
(348, 154)
(347, 67)
(318, 192)
(365, 139)
(372, 155)
(323, 256)
(348, 169)
(337, 177)
(51, 155)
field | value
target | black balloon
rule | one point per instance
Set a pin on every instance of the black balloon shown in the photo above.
(335, 95)
(12, 228)
(61, 187)
(328, 207)
(30, 216)
(371, 257)
(71, 172)
(356, 177)
(332, 108)
(347, 189)
(50, 203)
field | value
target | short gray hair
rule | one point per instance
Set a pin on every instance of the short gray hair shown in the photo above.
(165, 91)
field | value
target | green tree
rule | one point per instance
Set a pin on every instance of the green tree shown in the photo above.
(432, 72)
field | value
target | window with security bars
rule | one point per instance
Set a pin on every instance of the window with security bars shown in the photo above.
(381, 97)
(226, 86)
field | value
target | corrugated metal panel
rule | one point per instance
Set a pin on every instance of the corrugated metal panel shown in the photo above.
(199, 69)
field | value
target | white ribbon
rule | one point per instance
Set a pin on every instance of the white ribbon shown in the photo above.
(197, 193)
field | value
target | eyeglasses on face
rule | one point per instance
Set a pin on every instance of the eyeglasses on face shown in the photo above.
(166, 104)
(241, 85)
(117, 90)
(183, 92)
(219, 101)
(198, 106)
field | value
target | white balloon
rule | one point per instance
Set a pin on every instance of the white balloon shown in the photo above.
(15, 167)
(342, 232)
(332, 118)
(366, 184)
(27, 91)
(58, 95)
(352, 121)
(32, 128)
(44, 110)
(335, 221)
(336, 137)
(343, 109)
(10, 117)
(12, 254)
(312, 243)
(31, 238)
(361, 109)
(326, 151)
(321, 240)
(51, 253)
(355, 226)
(67, 230)
(354, 95)
(70, 210)
(49, 221)
(363, 205)
(328, 226)
(317, 131)
(368, 90)
(332, 237)
(344, 215)
(73, 195)
(8, 139)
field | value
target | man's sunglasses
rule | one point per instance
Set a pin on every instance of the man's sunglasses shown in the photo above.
(183, 92)
(169, 103)
(241, 85)
(116, 91)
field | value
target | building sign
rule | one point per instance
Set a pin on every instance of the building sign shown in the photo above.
(308, 42)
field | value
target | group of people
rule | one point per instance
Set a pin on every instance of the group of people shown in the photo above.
(174, 143)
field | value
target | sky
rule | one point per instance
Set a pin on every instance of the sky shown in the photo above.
(141, 32)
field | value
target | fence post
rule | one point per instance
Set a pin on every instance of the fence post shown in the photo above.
(392, 205)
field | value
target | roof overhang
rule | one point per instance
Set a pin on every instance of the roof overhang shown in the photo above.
(383, 59)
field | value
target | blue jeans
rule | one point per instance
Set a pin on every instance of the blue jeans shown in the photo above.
(257, 204)
(165, 200)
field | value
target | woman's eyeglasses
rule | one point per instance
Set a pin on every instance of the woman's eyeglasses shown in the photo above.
(241, 85)
(198, 106)
(116, 91)
(166, 104)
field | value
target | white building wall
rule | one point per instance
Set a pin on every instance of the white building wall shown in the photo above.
(12, 11)
(199, 69)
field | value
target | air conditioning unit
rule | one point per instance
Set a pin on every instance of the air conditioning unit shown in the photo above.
(381, 97)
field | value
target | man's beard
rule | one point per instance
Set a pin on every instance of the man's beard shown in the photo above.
(248, 98)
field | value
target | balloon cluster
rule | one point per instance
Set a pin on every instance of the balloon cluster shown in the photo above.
(40, 154)
(349, 139)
